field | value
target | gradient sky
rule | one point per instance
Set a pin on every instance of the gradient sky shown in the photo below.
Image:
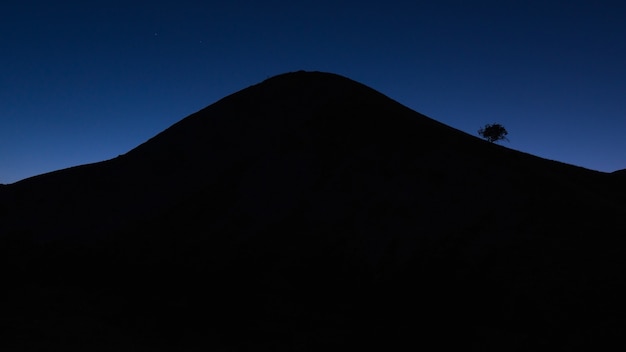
(84, 81)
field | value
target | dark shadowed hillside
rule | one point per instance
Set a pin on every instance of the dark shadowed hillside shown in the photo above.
(306, 213)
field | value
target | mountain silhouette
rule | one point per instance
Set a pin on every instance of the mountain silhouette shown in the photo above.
(311, 212)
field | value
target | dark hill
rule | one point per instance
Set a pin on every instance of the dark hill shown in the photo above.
(310, 212)
(620, 172)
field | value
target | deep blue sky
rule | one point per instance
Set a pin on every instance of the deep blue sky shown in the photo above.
(84, 81)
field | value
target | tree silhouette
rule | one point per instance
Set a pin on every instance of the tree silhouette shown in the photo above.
(493, 132)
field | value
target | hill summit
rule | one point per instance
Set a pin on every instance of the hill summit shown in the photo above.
(311, 212)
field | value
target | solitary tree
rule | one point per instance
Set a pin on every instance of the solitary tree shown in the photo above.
(493, 132)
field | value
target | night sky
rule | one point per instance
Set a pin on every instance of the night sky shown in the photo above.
(85, 81)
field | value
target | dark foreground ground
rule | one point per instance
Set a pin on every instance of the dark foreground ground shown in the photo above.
(311, 213)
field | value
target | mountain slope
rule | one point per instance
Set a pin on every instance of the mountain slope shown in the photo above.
(312, 211)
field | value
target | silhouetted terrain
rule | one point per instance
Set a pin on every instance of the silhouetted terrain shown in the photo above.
(309, 213)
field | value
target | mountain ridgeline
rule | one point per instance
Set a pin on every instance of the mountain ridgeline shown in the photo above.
(310, 212)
